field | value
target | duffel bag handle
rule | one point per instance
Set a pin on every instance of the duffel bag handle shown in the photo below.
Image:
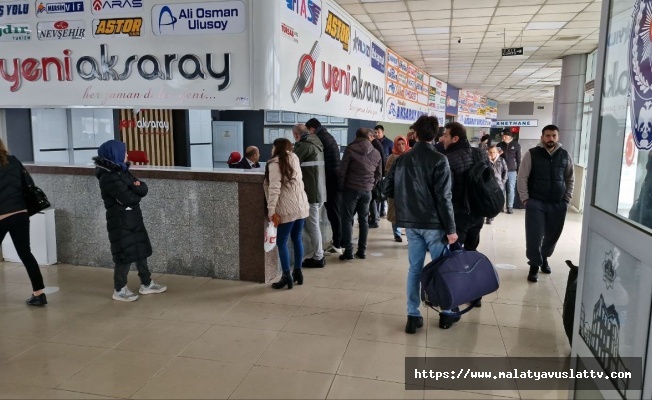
(448, 249)
(467, 309)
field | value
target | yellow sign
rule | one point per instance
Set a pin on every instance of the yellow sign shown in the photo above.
(119, 26)
(338, 30)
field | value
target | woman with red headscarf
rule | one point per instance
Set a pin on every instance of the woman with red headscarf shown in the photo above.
(401, 146)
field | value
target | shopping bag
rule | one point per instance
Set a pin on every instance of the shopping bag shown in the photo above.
(270, 237)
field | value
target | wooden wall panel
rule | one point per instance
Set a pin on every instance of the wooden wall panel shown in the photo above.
(137, 131)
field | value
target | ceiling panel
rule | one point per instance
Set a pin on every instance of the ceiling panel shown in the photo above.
(427, 31)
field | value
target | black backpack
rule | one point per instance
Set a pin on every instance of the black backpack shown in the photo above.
(484, 195)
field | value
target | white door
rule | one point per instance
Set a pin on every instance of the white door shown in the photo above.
(227, 138)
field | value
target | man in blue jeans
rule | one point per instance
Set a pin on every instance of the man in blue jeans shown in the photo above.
(420, 184)
(510, 150)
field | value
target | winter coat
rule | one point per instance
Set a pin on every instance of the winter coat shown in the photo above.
(331, 157)
(360, 168)
(310, 152)
(124, 218)
(420, 184)
(460, 159)
(391, 210)
(511, 152)
(381, 149)
(288, 200)
(11, 187)
(500, 171)
(388, 145)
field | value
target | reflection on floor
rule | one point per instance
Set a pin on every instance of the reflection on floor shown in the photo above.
(340, 335)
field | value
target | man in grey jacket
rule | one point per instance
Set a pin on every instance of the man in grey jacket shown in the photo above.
(359, 171)
(310, 152)
(545, 185)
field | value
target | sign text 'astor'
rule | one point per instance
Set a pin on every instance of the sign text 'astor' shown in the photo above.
(150, 67)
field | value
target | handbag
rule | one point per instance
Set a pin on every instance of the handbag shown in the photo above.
(457, 277)
(35, 199)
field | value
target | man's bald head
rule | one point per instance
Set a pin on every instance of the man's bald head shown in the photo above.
(253, 154)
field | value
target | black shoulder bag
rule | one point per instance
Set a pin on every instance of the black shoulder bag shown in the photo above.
(36, 200)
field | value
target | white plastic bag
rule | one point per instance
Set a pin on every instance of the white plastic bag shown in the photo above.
(270, 237)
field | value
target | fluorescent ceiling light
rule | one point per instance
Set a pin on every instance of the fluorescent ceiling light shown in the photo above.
(545, 25)
(431, 31)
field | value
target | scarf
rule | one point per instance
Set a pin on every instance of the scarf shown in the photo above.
(114, 151)
(407, 145)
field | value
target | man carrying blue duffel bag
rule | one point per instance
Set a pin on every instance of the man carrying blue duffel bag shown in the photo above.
(420, 184)
(457, 277)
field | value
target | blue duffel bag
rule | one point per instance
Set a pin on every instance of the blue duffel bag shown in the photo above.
(457, 277)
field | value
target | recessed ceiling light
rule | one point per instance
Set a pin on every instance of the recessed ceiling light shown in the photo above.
(567, 38)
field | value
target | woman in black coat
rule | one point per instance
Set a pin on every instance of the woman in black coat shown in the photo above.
(15, 220)
(122, 194)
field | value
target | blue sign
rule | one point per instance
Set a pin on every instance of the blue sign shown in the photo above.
(377, 58)
(640, 70)
(398, 109)
(58, 7)
(452, 96)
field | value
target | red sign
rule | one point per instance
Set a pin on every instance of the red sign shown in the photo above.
(630, 150)
(61, 25)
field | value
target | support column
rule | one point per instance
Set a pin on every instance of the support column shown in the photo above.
(555, 105)
(570, 101)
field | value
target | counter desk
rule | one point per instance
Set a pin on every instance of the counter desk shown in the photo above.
(201, 222)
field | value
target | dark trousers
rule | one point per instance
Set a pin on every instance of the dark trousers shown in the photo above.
(374, 214)
(468, 229)
(333, 205)
(354, 201)
(121, 272)
(544, 223)
(18, 228)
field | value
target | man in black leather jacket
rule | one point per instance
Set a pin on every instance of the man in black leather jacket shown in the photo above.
(420, 184)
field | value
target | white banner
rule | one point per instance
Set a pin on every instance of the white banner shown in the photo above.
(121, 63)
(325, 69)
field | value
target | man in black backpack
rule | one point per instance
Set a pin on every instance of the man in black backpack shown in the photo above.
(545, 185)
(460, 158)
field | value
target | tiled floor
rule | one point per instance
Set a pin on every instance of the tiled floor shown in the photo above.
(339, 336)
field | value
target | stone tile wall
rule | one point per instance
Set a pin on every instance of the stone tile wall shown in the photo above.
(193, 225)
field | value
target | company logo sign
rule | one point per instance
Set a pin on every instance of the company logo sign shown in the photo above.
(115, 6)
(392, 88)
(398, 110)
(61, 30)
(640, 70)
(361, 45)
(339, 30)
(377, 58)
(145, 124)
(106, 67)
(117, 27)
(199, 18)
(54, 7)
(15, 33)
(451, 102)
(334, 80)
(310, 10)
(15, 10)
(289, 33)
(474, 120)
(392, 59)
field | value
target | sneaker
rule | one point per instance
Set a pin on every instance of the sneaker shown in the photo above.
(332, 250)
(37, 301)
(152, 288)
(125, 295)
(374, 226)
(398, 239)
(510, 210)
(312, 263)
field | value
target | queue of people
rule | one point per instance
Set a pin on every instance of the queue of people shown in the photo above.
(425, 184)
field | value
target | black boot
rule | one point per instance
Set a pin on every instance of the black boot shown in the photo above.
(297, 276)
(510, 210)
(38, 301)
(447, 320)
(533, 276)
(286, 279)
(413, 323)
(360, 254)
(545, 268)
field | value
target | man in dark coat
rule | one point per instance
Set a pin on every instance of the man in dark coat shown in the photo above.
(376, 205)
(333, 193)
(250, 160)
(359, 171)
(122, 194)
(510, 150)
(546, 180)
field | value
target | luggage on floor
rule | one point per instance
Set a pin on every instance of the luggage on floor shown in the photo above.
(457, 277)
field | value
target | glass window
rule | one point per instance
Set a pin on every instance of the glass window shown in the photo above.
(623, 180)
